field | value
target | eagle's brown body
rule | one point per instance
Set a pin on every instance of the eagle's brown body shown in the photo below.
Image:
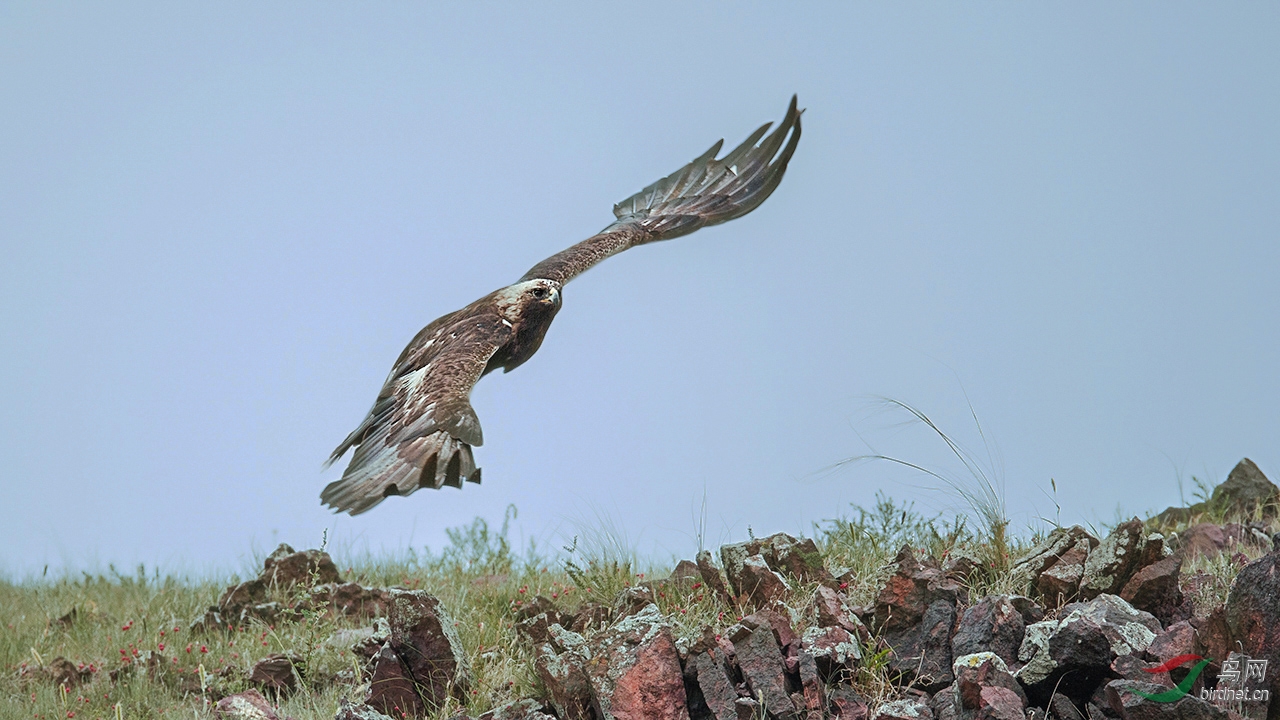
(422, 427)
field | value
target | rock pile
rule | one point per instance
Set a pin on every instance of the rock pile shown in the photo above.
(297, 581)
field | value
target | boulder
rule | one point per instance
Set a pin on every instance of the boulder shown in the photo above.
(848, 704)
(708, 674)
(992, 624)
(1155, 589)
(518, 710)
(1247, 489)
(760, 659)
(352, 599)
(561, 665)
(985, 689)
(1046, 553)
(245, 706)
(795, 558)
(915, 614)
(391, 687)
(636, 671)
(756, 583)
(712, 576)
(1115, 560)
(1253, 617)
(423, 636)
(908, 708)
(276, 674)
(1072, 654)
(1060, 583)
(1123, 698)
(286, 567)
(349, 711)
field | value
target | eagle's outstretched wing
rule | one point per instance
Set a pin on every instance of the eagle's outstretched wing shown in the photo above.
(421, 428)
(705, 192)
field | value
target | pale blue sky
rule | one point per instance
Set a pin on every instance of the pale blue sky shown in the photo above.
(221, 224)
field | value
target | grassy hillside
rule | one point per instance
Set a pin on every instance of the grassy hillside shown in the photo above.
(129, 636)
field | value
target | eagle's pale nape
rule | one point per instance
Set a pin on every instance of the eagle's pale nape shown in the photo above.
(421, 429)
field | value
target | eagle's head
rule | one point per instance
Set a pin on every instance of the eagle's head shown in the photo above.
(537, 297)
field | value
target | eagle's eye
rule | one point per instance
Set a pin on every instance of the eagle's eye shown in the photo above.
(539, 292)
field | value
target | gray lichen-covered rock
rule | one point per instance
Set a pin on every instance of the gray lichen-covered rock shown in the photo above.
(984, 688)
(518, 710)
(349, 711)
(795, 558)
(1046, 553)
(244, 706)
(1073, 653)
(712, 577)
(1060, 583)
(635, 669)
(757, 582)
(1114, 561)
(909, 708)
(832, 648)
(561, 664)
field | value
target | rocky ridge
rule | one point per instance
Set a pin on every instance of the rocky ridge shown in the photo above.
(1088, 632)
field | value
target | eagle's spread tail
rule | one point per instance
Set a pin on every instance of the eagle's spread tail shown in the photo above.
(708, 191)
(379, 471)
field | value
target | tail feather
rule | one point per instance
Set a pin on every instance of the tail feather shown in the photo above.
(378, 471)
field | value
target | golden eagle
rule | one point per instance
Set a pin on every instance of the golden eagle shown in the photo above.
(421, 429)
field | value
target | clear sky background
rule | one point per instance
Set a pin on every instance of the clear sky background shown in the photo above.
(221, 224)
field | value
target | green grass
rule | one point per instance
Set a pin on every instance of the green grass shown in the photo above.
(481, 579)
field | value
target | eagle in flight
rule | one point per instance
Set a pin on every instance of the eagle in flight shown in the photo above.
(421, 429)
